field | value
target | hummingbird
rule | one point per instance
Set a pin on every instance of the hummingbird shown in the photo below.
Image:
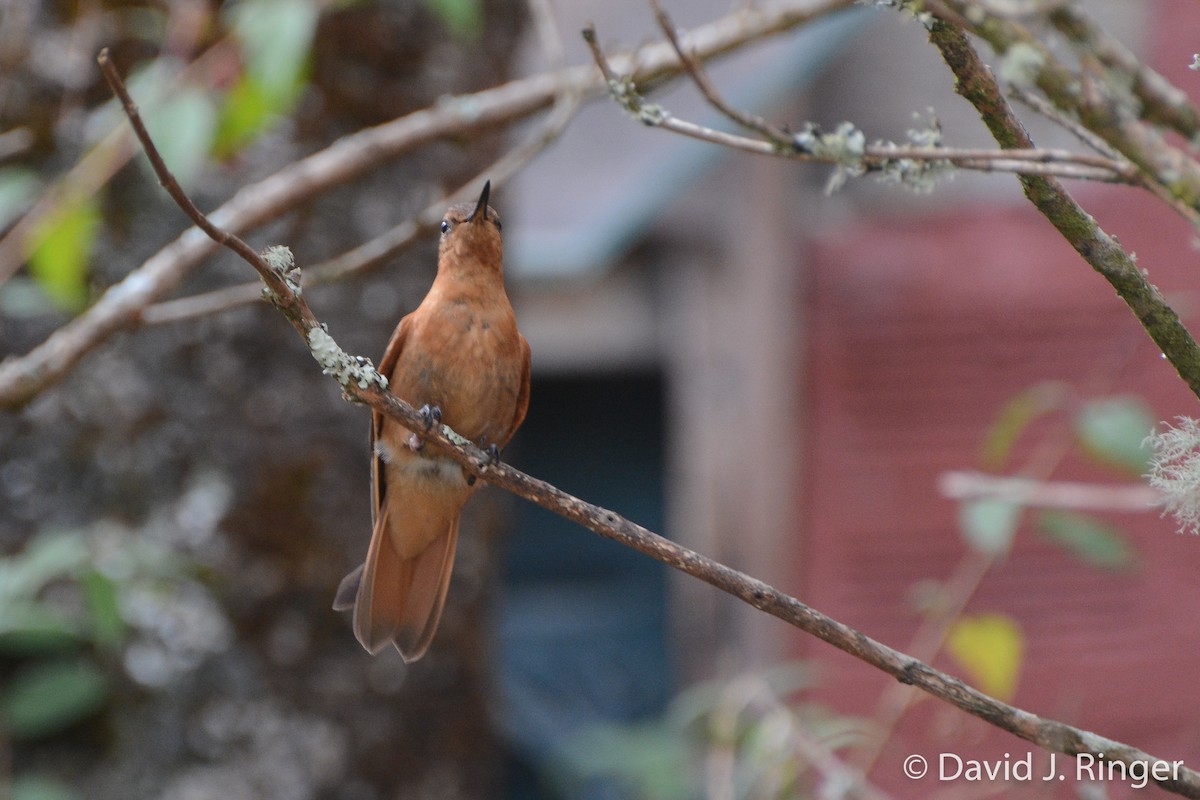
(460, 358)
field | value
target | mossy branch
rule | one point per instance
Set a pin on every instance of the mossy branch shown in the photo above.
(975, 83)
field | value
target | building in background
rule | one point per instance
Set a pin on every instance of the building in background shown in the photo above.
(803, 369)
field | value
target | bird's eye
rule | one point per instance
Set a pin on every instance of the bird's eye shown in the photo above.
(445, 226)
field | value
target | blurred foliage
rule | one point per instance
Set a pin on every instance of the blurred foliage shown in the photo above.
(1113, 431)
(748, 737)
(989, 647)
(1092, 540)
(463, 18)
(38, 787)
(1017, 415)
(275, 37)
(18, 187)
(86, 610)
(194, 115)
(989, 524)
(60, 249)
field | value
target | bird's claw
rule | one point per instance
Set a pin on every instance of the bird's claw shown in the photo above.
(493, 453)
(430, 416)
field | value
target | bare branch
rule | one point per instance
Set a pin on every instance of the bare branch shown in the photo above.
(375, 251)
(361, 383)
(976, 83)
(880, 157)
(277, 286)
(351, 157)
(1161, 102)
(777, 136)
(962, 485)
(1087, 96)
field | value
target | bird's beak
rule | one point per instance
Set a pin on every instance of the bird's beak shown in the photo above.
(480, 211)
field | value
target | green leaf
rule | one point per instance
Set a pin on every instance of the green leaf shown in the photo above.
(276, 37)
(1113, 431)
(1016, 416)
(464, 18)
(1088, 538)
(989, 524)
(29, 628)
(184, 128)
(47, 557)
(59, 249)
(50, 696)
(41, 787)
(245, 113)
(989, 647)
(108, 627)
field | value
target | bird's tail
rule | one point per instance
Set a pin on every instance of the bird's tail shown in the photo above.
(398, 599)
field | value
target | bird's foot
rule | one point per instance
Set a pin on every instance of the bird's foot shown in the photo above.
(493, 452)
(430, 416)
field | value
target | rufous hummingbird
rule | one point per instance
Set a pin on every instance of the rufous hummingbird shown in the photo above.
(461, 359)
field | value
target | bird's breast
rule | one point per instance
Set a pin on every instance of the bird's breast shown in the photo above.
(468, 363)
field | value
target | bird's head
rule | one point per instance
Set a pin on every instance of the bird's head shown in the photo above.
(471, 231)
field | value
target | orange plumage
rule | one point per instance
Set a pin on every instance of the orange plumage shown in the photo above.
(459, 353)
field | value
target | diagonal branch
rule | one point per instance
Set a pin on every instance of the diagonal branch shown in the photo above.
(351, 157)
(846, 147)
(975, 82)
(361, 383)
(372, 253)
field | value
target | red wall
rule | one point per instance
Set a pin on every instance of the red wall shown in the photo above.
(920, 332)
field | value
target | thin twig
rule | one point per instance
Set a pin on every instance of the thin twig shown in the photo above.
(699, 76)
(976, 83)
(348, 159)
(776, 142)
(288, 302)
(87, 176)
(1049, 734)
(370, 254)
(963, 485)
(1083, 93)
(1160, 101)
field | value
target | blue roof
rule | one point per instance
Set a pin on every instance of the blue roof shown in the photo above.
(583, 203)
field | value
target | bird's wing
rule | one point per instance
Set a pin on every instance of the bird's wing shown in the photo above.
(391, 355)
(523, 394)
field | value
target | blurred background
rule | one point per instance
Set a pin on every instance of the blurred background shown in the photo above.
(796, 383)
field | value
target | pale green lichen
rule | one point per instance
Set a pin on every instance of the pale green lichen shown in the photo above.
(1175, 471)
(457, 438)
(281, 261)
(341, 365)
(1021, 65)
(845, 147)
(625, 92)
(919, 174)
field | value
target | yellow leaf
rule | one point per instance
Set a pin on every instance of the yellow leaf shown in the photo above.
(989, 648)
